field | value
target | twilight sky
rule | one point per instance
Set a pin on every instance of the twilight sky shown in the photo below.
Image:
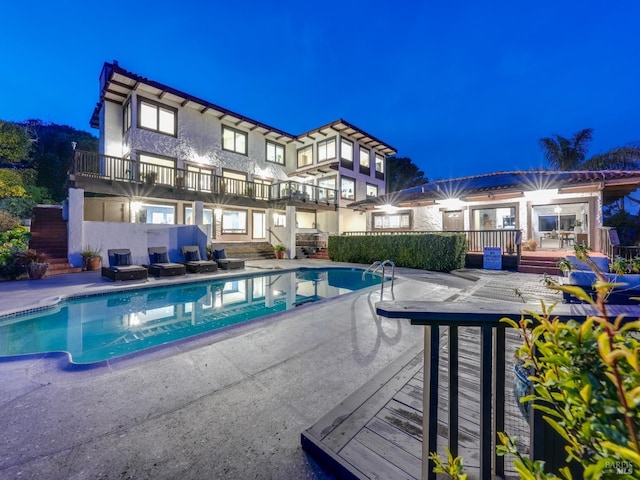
(461, 87)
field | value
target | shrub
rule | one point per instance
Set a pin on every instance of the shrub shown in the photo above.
(441, 252)
(11, 242)
(8, 221)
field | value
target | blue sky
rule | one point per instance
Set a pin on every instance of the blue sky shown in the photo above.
(460, 87)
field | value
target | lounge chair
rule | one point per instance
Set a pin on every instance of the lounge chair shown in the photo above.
(225, 263)
(194, 262)
(120, 267)
(160, 266)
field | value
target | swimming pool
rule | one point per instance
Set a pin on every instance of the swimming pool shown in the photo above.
(101, 327)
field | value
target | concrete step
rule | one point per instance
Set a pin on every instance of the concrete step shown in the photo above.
(539, 269)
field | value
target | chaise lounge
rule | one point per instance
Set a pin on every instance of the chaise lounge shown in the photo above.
(160, 266)
(121, 268)
(194, 262)
(224, 263)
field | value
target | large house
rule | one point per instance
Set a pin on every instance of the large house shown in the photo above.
(169, 158)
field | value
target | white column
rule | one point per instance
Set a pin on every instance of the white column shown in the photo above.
(198, 212)
(290, 240)
(75, 226)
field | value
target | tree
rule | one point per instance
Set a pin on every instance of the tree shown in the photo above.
(403, 173)
(571, 154)
(14, 143)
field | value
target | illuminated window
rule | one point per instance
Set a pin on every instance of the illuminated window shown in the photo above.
(126, 120)
(379, 163)
(157, 117)
(279, 220)
(347, 188)
(392, 221)
(327, 188)
(327, 149)
(275, 153)
(234, 222)
(156, 214)
(305, 156)
(365, 162)
(234, 140)
(259, 229)
(346, 149)
(372, 190)
(207, 216)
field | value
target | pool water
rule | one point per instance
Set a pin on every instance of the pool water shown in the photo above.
(97, 328)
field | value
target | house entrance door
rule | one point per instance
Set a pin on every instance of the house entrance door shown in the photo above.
(452, 221)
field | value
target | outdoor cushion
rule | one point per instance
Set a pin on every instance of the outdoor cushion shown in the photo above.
(119, 259)
(161, 257)
(219, 254)
(192, 256)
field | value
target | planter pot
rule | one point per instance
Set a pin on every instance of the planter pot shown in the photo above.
(280, 254)
(92, 263)
(521, 388)
(37, 271)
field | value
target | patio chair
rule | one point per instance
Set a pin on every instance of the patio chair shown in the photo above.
(121, 268)
(194, 262)
(225, 263)
(160, 266)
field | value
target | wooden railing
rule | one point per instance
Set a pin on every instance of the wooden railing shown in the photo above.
(508, 240)
(105, 167)
(610, 245)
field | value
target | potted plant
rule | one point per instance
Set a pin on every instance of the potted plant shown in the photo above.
(91, 258)
(34, 261)
(150, 177)
(280, 250)
(530, 245)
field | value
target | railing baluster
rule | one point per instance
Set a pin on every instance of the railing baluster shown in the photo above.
(486, 438)
(430, 401)
(453, 389)
(499, 394)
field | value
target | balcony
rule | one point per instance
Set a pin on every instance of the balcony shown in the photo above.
(122, 176)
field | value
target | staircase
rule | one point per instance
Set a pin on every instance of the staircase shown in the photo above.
(49, 236)
(320, 254)
(540, 263)
(246, 250)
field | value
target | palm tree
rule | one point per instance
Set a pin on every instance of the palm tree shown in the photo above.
(571, 154)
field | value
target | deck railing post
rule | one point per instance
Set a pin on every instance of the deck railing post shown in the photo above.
(498, 394)
(486, 385)
(453, 390)
(430, 399)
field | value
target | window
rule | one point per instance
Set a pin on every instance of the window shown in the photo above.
(347, 188)
(262, 188)
(234, 183)
(157, 170)
(234, 222)
(275, 153)
(305, 156)
(259, 229)
(234, 140)
(494, 218)
(392, 221)
(379, 163)
(126, 118)
(157, 118)
(547, 223)
(327, 188)
(372, 190)
(279, 220)
(346, 149)
(157, 214)
(365, 162)
(207, 216)
(327, 149)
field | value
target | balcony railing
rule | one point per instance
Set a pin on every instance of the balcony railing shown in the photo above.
(92, 165)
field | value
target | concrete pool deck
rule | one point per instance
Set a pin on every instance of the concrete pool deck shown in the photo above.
(229, 405)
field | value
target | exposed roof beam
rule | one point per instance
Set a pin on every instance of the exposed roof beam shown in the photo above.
(184, 103)
(113, 92)
(203, 110)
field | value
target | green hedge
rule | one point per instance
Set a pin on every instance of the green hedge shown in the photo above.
(440, 252)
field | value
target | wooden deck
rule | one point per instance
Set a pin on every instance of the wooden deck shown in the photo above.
(377, 431)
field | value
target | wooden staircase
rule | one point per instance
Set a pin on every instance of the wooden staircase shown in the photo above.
(320, 254)
(247, 250)
(540, 263)
(49, 236)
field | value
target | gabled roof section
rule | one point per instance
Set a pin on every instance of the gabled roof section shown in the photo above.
(345, 128)
(614, 184)
(117, 83)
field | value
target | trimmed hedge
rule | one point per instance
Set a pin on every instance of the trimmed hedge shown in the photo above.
(439, 252)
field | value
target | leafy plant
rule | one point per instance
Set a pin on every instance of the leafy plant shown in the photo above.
(586, 383)
(90, 252)
(30, 256)
(280, 248)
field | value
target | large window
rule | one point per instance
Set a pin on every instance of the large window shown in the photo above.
(234, 221)
(305, 156)
(327, 188)
(275, 153)
(157, 214)
(372, 190)
(327, 149)
(261, 187)
(379, 163)
(365, 161)
(234, 183)
(347, 188)
(207, 214)
(392, 221)
(346, 153)
(259, 229)
(234, 140)
(495, 218)
(156, 117)
(157, 170)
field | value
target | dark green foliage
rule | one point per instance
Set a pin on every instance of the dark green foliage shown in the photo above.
(52, 152)
(14, 143)
(403, 173)
(440, 252)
